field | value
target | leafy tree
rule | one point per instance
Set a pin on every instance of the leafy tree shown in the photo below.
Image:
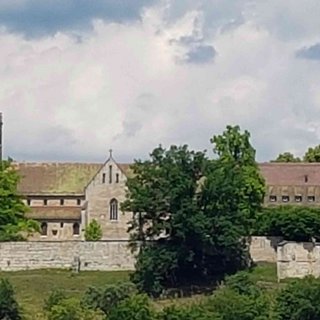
(9, 308)
(312, 154)
(93, 231)
(190, 213)
(287, 157)
(293, 223)
(299, 300)
(13, 223)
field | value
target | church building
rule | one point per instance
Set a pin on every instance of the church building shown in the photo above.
(65, 197)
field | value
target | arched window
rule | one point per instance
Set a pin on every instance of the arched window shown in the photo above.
(114, 209)
(76, 229)
(44, 229)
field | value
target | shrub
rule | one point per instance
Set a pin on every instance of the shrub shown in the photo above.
(194, 312)
(137, 307)
(241, 283)
(108, 297)
(55, 297)
(71, 309)
(299, 300)
(93, 231)
(9, 308)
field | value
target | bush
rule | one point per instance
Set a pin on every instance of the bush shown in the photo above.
(108, 297)
(55, 298)
(290, 222)
(93, 231)
(9, 308)
(241, 283)
(137, 307)
(194, 312)
(299, 300)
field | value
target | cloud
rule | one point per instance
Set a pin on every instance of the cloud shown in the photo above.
(312, 52)
(132, 85)
(40, 18)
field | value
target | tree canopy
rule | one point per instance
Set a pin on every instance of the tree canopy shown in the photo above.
(287, 157)
(13, 223)
(191, 212)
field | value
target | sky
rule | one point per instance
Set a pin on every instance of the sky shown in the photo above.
(81, 77)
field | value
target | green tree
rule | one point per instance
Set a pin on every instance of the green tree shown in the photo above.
(293, 223)
(190, 213)
(299, 300)
(286, 157)
(9, 308)
(93, 231)
(312, 154)
(13, 223)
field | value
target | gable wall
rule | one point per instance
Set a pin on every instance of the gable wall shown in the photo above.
(98, 196)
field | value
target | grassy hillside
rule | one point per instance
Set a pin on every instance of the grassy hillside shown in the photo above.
(32, 287)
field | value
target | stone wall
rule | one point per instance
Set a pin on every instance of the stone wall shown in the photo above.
(102, 255)
(297, 260)
(264, 249)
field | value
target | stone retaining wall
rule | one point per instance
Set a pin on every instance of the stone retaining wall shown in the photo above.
(100, 255)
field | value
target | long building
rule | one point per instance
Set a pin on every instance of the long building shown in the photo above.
(65, 197)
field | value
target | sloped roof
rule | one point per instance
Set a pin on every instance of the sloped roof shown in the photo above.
(58, 178)
(54, 213)
(291, 174)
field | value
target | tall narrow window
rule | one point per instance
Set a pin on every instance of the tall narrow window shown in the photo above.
(103, 178)
(76, 229)
(45, 202)
(78, 202)
(110, 174)
(44, 229)
(29, 202)
(61, 202)
(113, 209)
(117, 177)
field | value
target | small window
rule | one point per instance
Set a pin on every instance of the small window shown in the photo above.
(298, 198)
(61, 202)
(103, 178)
(76, 229)
(45, 202)
(113, 209)
(306, 179)
(78, 202)
(273, 198)
(61, 224)
(311, 199)
(44, 229)
(117, 178)
(110, 174)
(285, 199)
(29, 202)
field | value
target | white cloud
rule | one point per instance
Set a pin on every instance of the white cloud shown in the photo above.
(123, 87)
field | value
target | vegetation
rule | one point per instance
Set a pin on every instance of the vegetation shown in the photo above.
(9, 308)
(243, 296)
(311, 155)
(293, 223)
(287, 157)
(191, 212)
(93, 231)
(13, 223)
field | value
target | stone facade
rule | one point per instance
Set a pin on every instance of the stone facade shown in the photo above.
(297, 260)
(264, 249)
(103, 195)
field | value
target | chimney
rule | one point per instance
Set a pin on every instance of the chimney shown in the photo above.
(0, 136)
